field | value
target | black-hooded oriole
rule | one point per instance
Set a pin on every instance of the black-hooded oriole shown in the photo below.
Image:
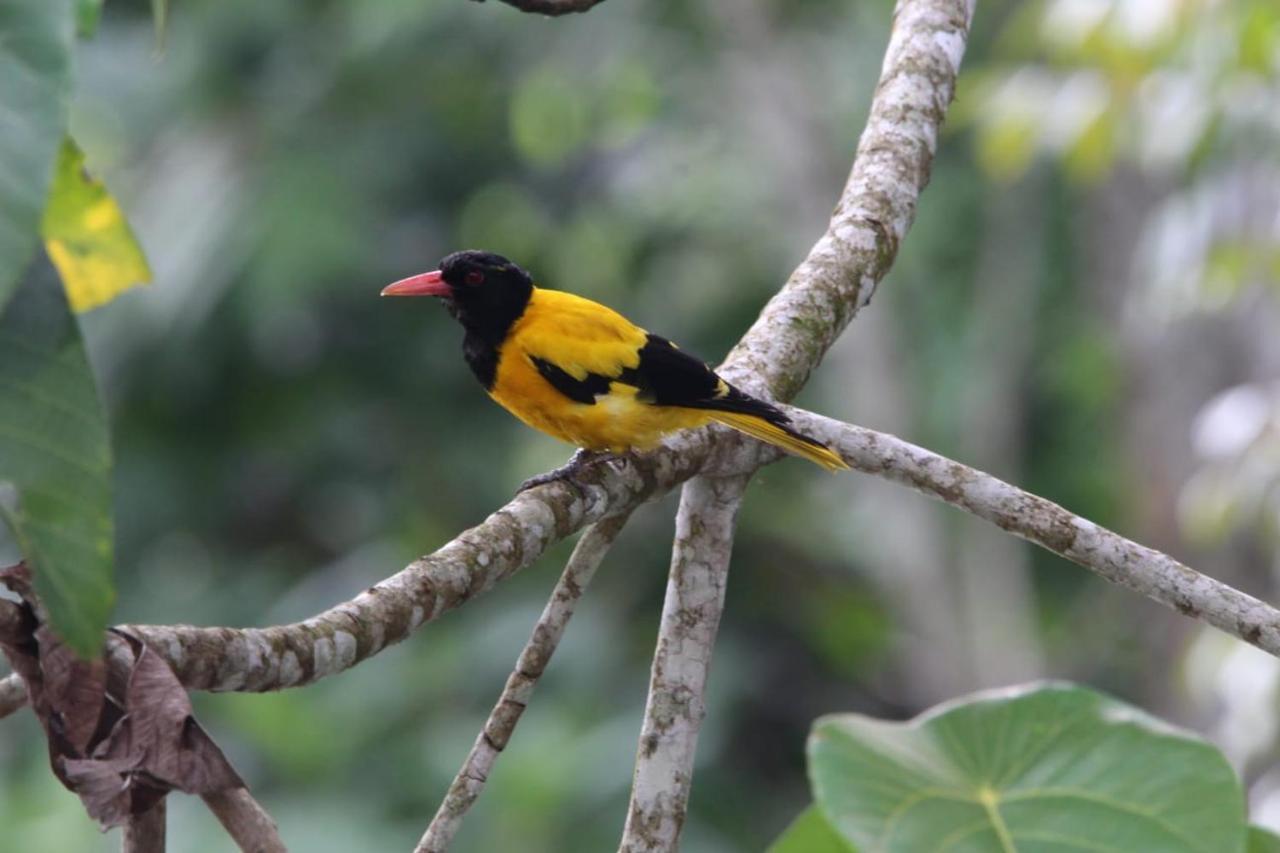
(582, 372)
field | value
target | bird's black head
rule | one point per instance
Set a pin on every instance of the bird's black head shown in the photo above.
(484, 291)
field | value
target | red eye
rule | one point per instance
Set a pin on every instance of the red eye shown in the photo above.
(474, 277)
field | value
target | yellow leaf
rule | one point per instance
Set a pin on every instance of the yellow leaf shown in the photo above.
(87, 236)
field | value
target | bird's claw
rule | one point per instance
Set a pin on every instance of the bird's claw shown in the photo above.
(568, 473)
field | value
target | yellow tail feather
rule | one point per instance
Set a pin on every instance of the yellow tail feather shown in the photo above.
(757, 427)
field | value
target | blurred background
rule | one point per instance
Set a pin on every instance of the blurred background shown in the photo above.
(1087, 307)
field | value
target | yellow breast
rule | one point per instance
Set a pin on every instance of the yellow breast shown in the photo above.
(582, 338)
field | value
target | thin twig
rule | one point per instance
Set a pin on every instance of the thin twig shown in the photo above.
(248, 823)
(496, 733)
(677, 682)
(551, 7)
(144, 833)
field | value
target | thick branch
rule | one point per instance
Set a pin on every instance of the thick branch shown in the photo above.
(675, 708)
(256, 659)
(533, 661)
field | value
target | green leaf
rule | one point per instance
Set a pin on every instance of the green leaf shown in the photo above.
(1042, 768)
(87, 236)
(54, 453)
(88, 13)
(1263, 841)
(35, 85)
(810, 833)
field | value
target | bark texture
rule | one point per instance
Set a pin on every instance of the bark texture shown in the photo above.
(245, 821)
(677, 682)
(144, 833)
(1043, 522)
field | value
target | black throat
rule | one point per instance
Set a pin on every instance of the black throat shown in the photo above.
(487, 323)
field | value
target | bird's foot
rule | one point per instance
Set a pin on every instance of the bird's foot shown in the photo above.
(568, 472)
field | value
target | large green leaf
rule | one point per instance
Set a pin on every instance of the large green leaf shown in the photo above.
(1042, 769)
(56, 460)
(87, 237)
(35, 84)
(810, 833)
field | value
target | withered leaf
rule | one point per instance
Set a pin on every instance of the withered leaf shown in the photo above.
(112, 789)
(74, 691)
(160, 733)
(120, 728)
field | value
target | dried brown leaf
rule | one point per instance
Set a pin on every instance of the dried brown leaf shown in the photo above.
(121, 729)
(73, 690)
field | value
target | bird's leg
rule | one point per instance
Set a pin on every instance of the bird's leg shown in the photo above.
(581, 460)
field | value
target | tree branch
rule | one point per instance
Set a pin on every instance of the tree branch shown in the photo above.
(245, 821)
(675, 708)
(551, 7)
(257, 659)
(144, 833)
(1045, 523)
(496, 733)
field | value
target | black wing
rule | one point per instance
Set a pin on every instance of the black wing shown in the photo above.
(665, 376)
(579, 390)
(669, 376)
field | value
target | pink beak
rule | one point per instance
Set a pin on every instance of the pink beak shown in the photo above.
(427, 284)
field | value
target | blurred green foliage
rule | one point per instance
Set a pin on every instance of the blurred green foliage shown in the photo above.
(284, 438)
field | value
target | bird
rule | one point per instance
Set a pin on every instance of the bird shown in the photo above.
(583, 373)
